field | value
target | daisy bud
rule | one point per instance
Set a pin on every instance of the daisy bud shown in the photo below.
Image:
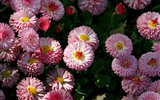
(44, 23)
(70, 10)
(120, 8)
(59, 28)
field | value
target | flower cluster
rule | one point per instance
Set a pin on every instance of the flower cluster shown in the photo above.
(136, 74)
(48, 47)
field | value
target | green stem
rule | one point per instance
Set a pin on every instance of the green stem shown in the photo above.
(1, 10)
(110, 23)
(75, 18)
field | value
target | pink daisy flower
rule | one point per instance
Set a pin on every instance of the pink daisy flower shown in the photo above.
(44, 23)
(137, 4)
(8, 76)
(85, 34)
(53, 9)
(2, 96)
(135, 84)
(118, 45)
(156, 46)
(30, 88)
(58, 95)
(32, 5)
(50, 51)
(29, 65)
(129, 97)
(7, 36)
(155, 86)
(5, 2)
(149, 64)
(23, 19)
(60, 78)
(78, 56)
(29, 39)
(12, 53)
(148, 25)
(96, 7)
(149, 95)
(124, 66)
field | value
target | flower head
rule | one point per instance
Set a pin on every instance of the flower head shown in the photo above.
(135, 84)
(129, 97)
(8, 76)
(53, 9)
(85, 34)
(137, 4)
(30, 88)
(156, 46)
(32, 5)
(120, 8)
(44, 23)
(30, 65)
(125, 65)
(23, 19)
(60, 78)
(155, 86)
(12, 53)
(29, 39)
(149, 95)
(149, 63)
(50, 51)
(78, 56)
(96, 7)
(148, 25)
(118, 45)
(5, 2)
(7, 36)
(58, 95)
(2, 96)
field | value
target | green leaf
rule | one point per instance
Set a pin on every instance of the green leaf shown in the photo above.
(80, 91)
(97, 66)
(112, 85)
(119, 29)
(102, 80)
(156, 8)
(78, 96)
(86, 18)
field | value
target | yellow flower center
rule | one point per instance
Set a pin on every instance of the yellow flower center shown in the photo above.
(153, 23)
(84, 37)
(32, 90)
(6, 73)
(78, 55)
(119, 45)
(31, 60)
(136, 78)
(59, 79)
(24, 19)
(152, 62)
(46, 48)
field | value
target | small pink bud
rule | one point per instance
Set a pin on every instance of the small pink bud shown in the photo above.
(70, 10)
(44, 23)
(120, 9)
(59, 28)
